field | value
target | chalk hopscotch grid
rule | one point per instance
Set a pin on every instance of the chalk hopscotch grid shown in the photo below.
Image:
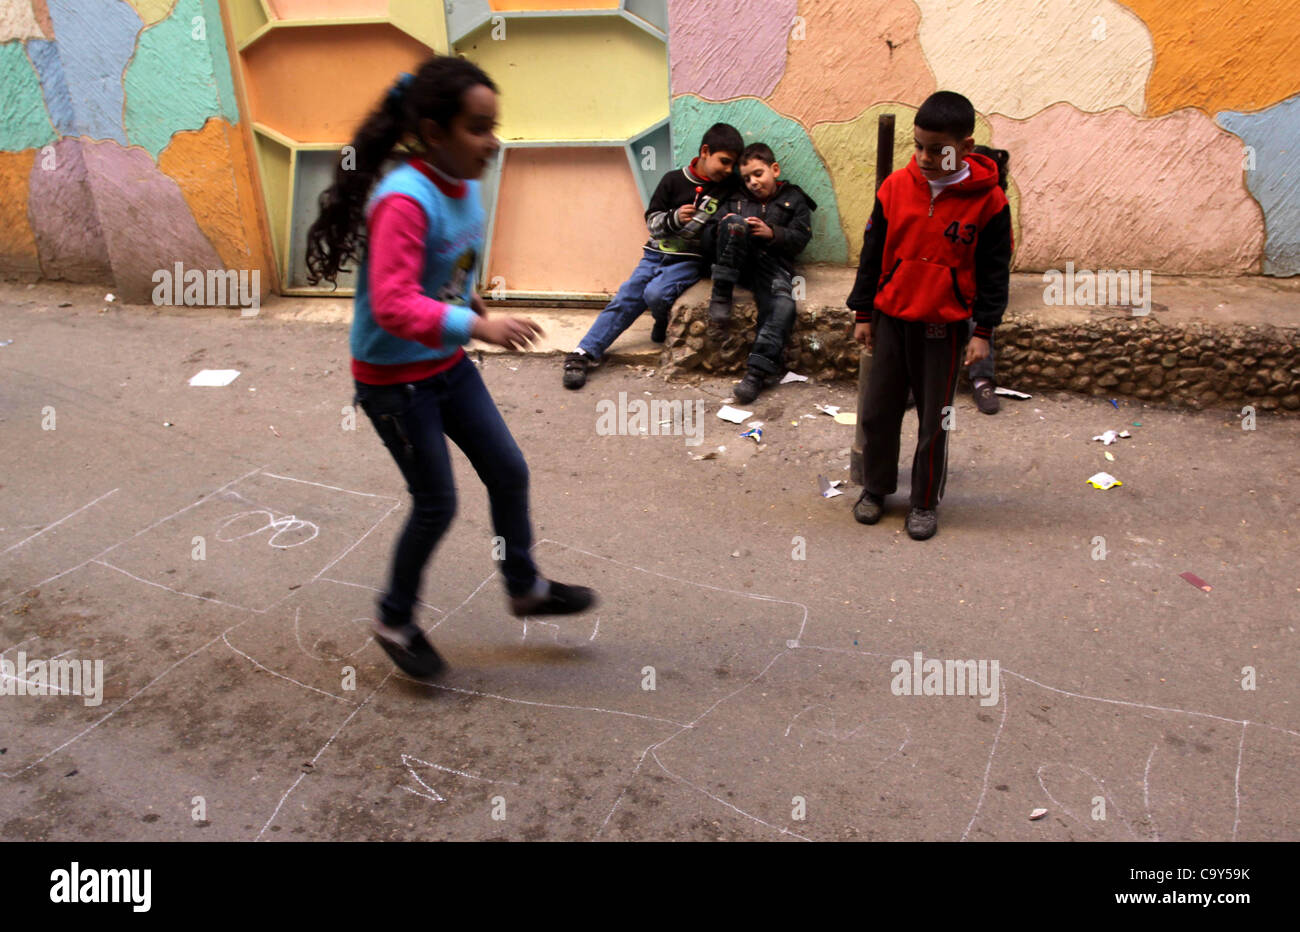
(651, 750)
(223, 636)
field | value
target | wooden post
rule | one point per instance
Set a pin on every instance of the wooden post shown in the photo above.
(884, 166)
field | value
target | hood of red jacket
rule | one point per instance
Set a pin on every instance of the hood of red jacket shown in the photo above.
(983, 175)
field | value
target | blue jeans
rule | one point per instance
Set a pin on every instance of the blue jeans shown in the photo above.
(656, 283)
(742, 260)
(414, 419)
(984, 368)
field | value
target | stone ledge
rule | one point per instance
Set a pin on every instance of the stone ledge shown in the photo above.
(1207, 342)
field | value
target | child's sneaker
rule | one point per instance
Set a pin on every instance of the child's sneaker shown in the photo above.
(575, 369)
(869, 508)
(659, 332)
(747, 389)
(409, 648)
(552, 598)
(922, 523)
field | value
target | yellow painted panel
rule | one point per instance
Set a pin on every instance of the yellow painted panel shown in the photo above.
(849, 151)
(274, 161)
(422, 19)
(327, 9)
(573, 77)
(571, 257)
(318, 83)
(246, 17)
(508, 5)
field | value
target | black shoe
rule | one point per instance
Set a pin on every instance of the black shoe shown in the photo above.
(985, 399)
(922, 523)
(720, 310)
(409, 649)
(575, 370)
(747, 389)
(659, 332)
(869, 508)
(561, 600)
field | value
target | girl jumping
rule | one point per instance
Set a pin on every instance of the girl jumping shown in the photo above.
(419, 237)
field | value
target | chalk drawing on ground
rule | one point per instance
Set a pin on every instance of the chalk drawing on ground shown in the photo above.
(247, 544)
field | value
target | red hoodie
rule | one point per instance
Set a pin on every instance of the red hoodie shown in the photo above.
(937, 259)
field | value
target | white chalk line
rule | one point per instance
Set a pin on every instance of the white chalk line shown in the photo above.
(747, 595)
(907, 737)
(188, 595)
(1073, 695)
(179, 512)
(1236, 783)
(127, 540)
(334, 488)
(1244, 723)
(323, 748)
(1070, 812)
(51, 527)
(545, 705)
(356, 543)
(1146, 791)
(777, 828)
(341, 582)
(408, 758)
(282, 676)
(988, 766)
(125, 703)
(635, 770)
(297, 636)
(688, 726)
(476, 591)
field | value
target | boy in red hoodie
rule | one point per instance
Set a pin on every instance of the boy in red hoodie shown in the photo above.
(937, 253)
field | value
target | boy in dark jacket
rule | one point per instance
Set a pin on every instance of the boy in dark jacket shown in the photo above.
(763, 227)
(682, 208)
(937, 252)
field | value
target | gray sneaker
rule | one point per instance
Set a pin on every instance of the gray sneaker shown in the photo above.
(922, 523)
(869, 508)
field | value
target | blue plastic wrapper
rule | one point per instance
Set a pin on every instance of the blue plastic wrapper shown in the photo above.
(756, 433)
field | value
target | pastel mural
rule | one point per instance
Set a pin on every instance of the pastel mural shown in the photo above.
(103, 180)
(1154, 134)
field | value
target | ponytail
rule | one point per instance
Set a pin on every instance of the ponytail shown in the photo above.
(337, 237)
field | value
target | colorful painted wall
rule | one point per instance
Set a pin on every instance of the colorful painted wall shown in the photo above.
(121, 148)
(1154, 134)
(1149, 134)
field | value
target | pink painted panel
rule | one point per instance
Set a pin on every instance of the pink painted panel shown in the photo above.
(327, 9)
(728, 48)
(568, 220)
(1116, 191)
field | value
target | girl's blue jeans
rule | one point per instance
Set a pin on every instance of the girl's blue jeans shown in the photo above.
(414, 420)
